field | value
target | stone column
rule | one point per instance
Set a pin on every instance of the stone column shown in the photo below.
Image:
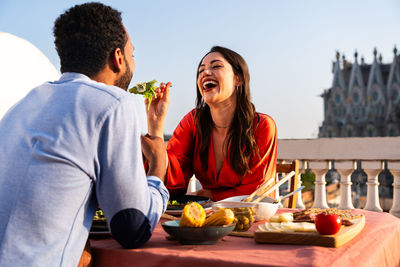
(345, 168)
(394, 168)
(303, 165)
(320, 168)
(372, 168)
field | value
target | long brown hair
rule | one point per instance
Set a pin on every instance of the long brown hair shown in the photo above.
(240, 138)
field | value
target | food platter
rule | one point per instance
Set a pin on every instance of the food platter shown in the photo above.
(345, 234)
(177, 203)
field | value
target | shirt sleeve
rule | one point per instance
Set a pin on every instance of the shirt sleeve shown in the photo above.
(263, 167)
(131, 202)
(180, 155)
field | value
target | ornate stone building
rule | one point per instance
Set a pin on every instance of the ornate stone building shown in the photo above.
(364, 99)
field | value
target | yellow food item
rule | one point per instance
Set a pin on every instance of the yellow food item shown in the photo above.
(244, 218)
(284, 217)
(193, 215)
(287, 227)
(221, 217)
(274, 218)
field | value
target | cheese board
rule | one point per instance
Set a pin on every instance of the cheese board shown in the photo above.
(345, 234)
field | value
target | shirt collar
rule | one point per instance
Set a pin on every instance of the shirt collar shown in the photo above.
(73, 76)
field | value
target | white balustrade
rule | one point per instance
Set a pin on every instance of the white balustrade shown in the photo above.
(320, 168)
(394, 168)
(372, 169)
(371, 151)
(303, 165)
(345, 169)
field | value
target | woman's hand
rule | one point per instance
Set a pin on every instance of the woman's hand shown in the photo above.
(158, 111)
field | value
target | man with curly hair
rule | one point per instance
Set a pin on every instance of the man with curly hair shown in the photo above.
(74, 144)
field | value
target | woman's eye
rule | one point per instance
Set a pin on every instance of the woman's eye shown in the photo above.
(216, 66)
(200, 71)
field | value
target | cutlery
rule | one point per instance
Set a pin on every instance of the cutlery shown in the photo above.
(277, 185)
(287, 195)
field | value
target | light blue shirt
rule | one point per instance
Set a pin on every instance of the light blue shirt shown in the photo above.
(65, 148)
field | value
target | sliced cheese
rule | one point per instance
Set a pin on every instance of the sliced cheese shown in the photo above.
(262, 228)
(276, 227)
(304, 227)
(274, 218)
(286, 217)
(287, 227)
(284, 223)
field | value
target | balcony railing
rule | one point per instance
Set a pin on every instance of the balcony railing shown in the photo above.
(317, 155)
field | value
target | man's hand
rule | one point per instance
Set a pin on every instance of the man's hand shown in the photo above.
(158, 110)
(155, 152)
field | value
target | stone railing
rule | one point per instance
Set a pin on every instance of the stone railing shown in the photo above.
(317, 155)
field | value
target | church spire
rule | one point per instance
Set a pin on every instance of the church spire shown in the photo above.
(338, 79)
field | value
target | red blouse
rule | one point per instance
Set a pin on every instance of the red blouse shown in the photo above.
(184, 161)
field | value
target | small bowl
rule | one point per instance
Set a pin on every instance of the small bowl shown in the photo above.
(196, 235)
(265, 208)
(244, 213)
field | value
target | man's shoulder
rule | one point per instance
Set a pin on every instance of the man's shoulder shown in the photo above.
(79, 80)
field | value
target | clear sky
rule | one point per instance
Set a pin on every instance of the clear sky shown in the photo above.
(289, 45)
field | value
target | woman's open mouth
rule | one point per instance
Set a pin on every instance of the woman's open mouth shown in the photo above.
(208, 85)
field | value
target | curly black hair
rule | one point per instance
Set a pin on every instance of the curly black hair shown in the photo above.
(86, 35)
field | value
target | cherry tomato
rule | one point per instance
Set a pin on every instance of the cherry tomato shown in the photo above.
(328, 224)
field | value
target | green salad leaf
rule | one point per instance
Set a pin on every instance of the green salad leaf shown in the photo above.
(147, 89)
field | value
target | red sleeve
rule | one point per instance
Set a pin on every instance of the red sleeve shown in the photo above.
(180, 155)
(262, 166)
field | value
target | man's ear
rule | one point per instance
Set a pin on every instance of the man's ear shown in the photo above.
(117, 60)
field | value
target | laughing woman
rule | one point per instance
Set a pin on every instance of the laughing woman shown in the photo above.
(223, 141)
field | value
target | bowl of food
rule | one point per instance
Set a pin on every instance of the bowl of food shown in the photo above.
(265, 209)
(194, 227)
(245, 213)
(196, 235)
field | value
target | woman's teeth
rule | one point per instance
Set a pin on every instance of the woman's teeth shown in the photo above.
(209, 84)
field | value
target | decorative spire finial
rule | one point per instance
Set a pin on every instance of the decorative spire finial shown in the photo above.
(375, 51)
(395, 50)
(362, 60)
(380, 57)
(337, 55)
(344, 61)
(356, 54)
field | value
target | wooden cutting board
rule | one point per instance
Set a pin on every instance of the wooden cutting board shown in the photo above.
(345, 234)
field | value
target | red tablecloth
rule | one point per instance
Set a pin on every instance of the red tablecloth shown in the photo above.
(377, 245)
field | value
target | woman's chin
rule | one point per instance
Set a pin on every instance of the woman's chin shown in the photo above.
(209, 97)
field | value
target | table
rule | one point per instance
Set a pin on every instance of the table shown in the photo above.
(377, 245)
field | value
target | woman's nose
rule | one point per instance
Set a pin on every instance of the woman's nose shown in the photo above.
(207, 71)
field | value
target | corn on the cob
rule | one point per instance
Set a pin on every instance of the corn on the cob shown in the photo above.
(193, 215)
(221, 217)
